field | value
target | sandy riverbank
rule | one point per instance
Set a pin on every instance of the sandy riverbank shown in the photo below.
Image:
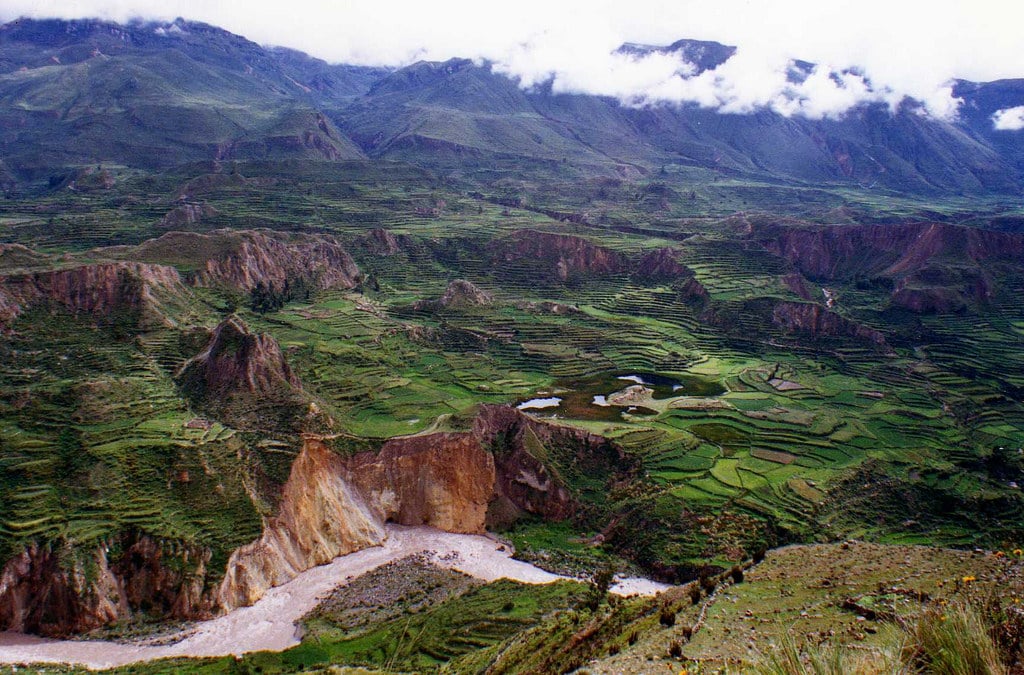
(270, 623)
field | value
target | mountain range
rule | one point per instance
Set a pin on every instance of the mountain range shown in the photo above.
(87, 92)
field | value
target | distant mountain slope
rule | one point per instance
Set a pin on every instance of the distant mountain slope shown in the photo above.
(76, 93)
(153, 96)
(432, 112)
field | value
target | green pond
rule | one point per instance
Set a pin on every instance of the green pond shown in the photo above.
(586, 399)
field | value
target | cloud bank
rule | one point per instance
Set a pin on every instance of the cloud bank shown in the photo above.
(866, 51)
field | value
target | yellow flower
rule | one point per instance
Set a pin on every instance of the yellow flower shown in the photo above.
(1018, 552)
(968, 579)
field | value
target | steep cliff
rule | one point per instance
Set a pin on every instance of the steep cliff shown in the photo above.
(662, 265)
(320, 516)
(543, 469)
(110, 292)
(444, 480)
(333, 505)
(816, 320)
(58, 591)
(560, 256)
(506, 465)
(889, 250)
(241, 259)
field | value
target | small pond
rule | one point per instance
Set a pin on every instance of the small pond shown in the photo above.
(587, 399)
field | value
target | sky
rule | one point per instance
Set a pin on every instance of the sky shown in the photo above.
(866, 50)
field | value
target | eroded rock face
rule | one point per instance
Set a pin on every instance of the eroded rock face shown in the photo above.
(565, 256)
(443, 480)
(333, 505)
(460, 294)
(128, 290)
(525, 483)
(57, 592)
(321, 516)
(238, 360)
(813, 319)
(662, 264)
(187, 214)
(244, 379)
(241, 259)
(892, 250)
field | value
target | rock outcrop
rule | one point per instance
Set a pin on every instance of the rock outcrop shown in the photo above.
(58, 592)
(187, 214)
(532, 460)
(333, 505)
(460, 294)
(241, 259)
(560, 256)
(815, 320)
(244, 379)
(320, 516)
(116, 291)
(929, 267)
(892, 250)
(379, 241)
(662, 265)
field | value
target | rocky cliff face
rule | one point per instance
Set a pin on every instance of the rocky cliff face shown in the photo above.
(662, 265)
(57, 592)
(332, 505)
(936, 267)
(321, 516)
(813, 319)
(241, 259)
(891, 250)
(562, 256)
(244, 379)
(108, 291)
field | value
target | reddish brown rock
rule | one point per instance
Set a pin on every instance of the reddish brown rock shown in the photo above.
(816, 320)
(57, 592)
(106, 291)
(187, 214)
(320, 516)
(241, 259)
(563, 255)
(840, 251)
(443, 480)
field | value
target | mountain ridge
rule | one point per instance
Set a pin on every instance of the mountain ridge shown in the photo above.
(67, 87)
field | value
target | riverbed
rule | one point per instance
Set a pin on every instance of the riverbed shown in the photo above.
(270, 624)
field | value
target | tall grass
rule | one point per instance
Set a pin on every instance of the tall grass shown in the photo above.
(954, 640)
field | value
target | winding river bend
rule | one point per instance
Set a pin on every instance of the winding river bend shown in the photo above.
(270, 624)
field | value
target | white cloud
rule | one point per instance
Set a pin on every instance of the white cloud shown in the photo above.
(867, 50)
(1009, 119)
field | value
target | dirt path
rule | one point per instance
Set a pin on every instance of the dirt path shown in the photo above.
(270, 623)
